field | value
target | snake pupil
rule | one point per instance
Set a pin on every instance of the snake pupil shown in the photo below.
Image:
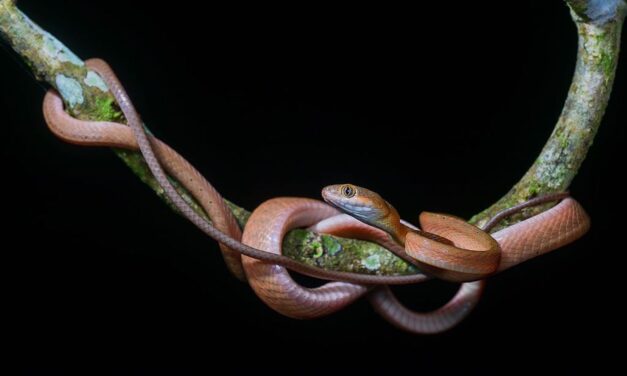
(348, 191)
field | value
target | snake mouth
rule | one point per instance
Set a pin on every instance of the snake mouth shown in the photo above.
(326, 197)
(334, 205)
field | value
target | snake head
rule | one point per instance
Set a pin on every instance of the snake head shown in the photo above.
(363, 204)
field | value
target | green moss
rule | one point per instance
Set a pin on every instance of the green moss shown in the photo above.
(318, 250)
(606, 62)
(372, 262)
(241, 214)
(107, 110)
(563, 143)
(343, 254)
(298, 236)
(403, 267)
(331, 245)
(534, 188)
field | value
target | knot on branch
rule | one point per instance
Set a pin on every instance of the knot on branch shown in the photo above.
(597, 11)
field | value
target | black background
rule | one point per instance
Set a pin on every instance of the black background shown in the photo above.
(436, 107)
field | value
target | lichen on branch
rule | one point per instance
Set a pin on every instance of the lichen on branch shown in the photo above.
(599, 29)
(599, 25)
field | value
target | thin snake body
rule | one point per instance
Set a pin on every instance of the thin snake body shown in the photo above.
(263, 264)
(75, 131)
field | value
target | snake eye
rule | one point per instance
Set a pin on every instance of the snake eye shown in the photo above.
(347, 190)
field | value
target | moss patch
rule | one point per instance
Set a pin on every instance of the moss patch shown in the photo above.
(107, 110)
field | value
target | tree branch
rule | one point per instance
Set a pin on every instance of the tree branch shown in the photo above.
(599, 24)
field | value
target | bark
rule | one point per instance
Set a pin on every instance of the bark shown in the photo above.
(599, 25)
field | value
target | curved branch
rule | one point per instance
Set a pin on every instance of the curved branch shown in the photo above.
(599, 24)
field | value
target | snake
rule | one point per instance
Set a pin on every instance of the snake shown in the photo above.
(254, 254)
(474, 254)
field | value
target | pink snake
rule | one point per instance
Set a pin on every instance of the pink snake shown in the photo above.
(262, 263)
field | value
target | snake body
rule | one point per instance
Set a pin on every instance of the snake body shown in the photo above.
(110, 134)
(75, 131)
(260, 245)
